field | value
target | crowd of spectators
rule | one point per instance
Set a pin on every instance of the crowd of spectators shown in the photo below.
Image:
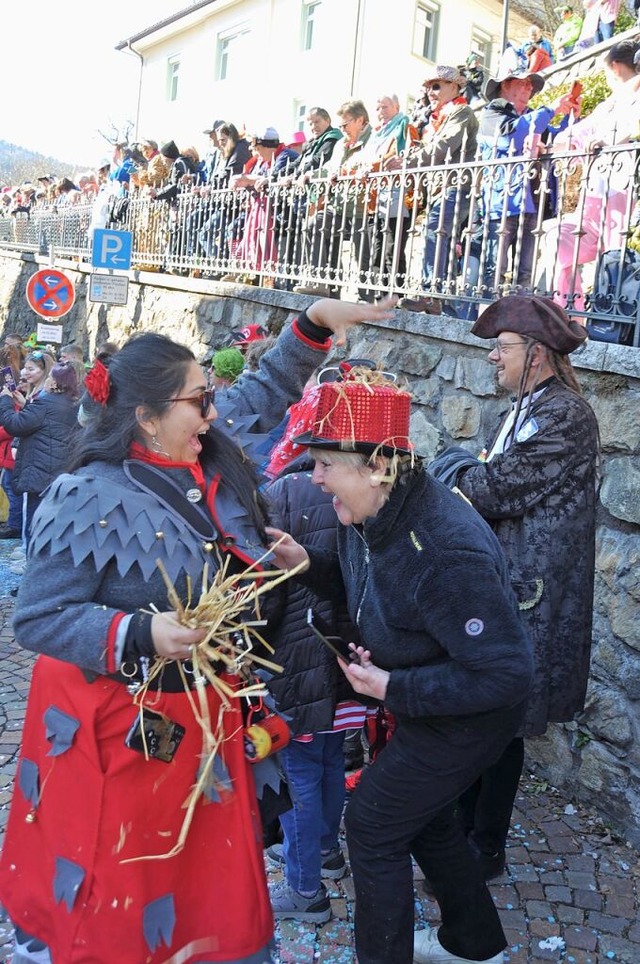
(258, 200)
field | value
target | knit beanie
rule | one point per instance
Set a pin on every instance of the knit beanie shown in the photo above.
(228, 363)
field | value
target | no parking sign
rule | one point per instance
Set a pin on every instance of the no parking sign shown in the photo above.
(50, 293)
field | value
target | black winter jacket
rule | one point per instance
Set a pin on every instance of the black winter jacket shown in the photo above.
(312, 682)
(45, 428)
(428, 587)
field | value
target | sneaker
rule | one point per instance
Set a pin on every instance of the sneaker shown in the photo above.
(333, 866)
(427, 949)
(288, 903)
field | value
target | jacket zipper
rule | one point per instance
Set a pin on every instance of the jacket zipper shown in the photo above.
(366, 581)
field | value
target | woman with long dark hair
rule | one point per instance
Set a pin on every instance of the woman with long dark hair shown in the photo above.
(110, 854)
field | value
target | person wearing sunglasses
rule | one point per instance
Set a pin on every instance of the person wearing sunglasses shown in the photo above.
(153, 479)
(448, 137)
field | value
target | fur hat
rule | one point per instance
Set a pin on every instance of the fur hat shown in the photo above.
(531, 317)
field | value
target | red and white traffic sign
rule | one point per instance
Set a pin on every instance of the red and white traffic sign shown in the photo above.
(50, 293)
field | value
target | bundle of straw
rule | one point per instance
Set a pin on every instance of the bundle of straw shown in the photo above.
(227, 647)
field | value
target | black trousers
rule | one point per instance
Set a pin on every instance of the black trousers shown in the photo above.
(388, 260)
(404, 806)
(485, 808)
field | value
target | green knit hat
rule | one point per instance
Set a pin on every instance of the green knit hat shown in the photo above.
(228, 363)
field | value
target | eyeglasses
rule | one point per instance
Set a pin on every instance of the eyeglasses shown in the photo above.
(434, 87)
(500, 346)
(346, 123)
(203, 400)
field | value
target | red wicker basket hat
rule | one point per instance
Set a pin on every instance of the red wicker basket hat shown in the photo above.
(354, 416)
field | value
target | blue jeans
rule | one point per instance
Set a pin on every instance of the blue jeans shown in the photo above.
(604, 31)
(433, 232)
(14, 518)
(315, 773)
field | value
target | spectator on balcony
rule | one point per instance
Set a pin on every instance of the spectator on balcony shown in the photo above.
(387, 200)
(507, 216)
(274, 160)
(537, 37)
(181, 173)
(308, 198)
(157, 168)
(537, 57)
(607, 14)
(345, 213)
(123, 167)
(235, 152)
(474, 75)
(297, 141)
(213, 157)
(448, 138)
(609, 180)
(567, 34)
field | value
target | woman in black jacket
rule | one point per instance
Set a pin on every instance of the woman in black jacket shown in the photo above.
(45, 427)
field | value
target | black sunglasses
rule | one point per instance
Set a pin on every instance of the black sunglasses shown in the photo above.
(204, 400)
(434, 87)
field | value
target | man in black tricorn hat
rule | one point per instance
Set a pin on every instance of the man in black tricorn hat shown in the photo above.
(536, 485)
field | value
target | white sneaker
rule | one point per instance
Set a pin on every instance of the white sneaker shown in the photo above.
(427, 949)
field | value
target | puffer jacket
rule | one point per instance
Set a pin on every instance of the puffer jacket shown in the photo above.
(312, 682)
(45, 428)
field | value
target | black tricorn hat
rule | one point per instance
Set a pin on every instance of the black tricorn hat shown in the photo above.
(533, 317)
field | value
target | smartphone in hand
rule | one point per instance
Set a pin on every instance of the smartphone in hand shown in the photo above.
(7, 379)
(336, 644)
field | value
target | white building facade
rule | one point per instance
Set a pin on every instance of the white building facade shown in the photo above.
(266, 62)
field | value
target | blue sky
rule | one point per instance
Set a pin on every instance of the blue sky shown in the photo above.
(61, 78)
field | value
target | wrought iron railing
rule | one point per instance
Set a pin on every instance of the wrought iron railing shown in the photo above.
(450, 237)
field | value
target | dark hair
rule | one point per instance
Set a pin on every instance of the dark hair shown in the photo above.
(146, 371)
(321, 112)
(106, 350)
(230, 131)
(355, 108)
(66, 379)
(623, 52)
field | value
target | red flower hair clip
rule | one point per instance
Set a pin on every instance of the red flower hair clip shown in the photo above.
(98, 383)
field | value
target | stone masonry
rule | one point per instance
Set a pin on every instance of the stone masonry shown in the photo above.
(597, 758)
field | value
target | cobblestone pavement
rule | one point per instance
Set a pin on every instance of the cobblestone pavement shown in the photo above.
(570, 893)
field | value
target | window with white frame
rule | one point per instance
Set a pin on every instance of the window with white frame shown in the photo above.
(481, 44)
(300, 114)
(425, 34)
(310, 11)
(173, 77)
(232, 48)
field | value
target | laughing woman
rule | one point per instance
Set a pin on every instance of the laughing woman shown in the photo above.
(443, 649)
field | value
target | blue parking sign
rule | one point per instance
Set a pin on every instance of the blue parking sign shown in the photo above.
(111, 249)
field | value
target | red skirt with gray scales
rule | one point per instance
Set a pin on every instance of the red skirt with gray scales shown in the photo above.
(84, 803)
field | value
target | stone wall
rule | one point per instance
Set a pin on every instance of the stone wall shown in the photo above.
(597, 758)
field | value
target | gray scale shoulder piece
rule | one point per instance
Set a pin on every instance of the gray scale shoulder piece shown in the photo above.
(106, 518)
